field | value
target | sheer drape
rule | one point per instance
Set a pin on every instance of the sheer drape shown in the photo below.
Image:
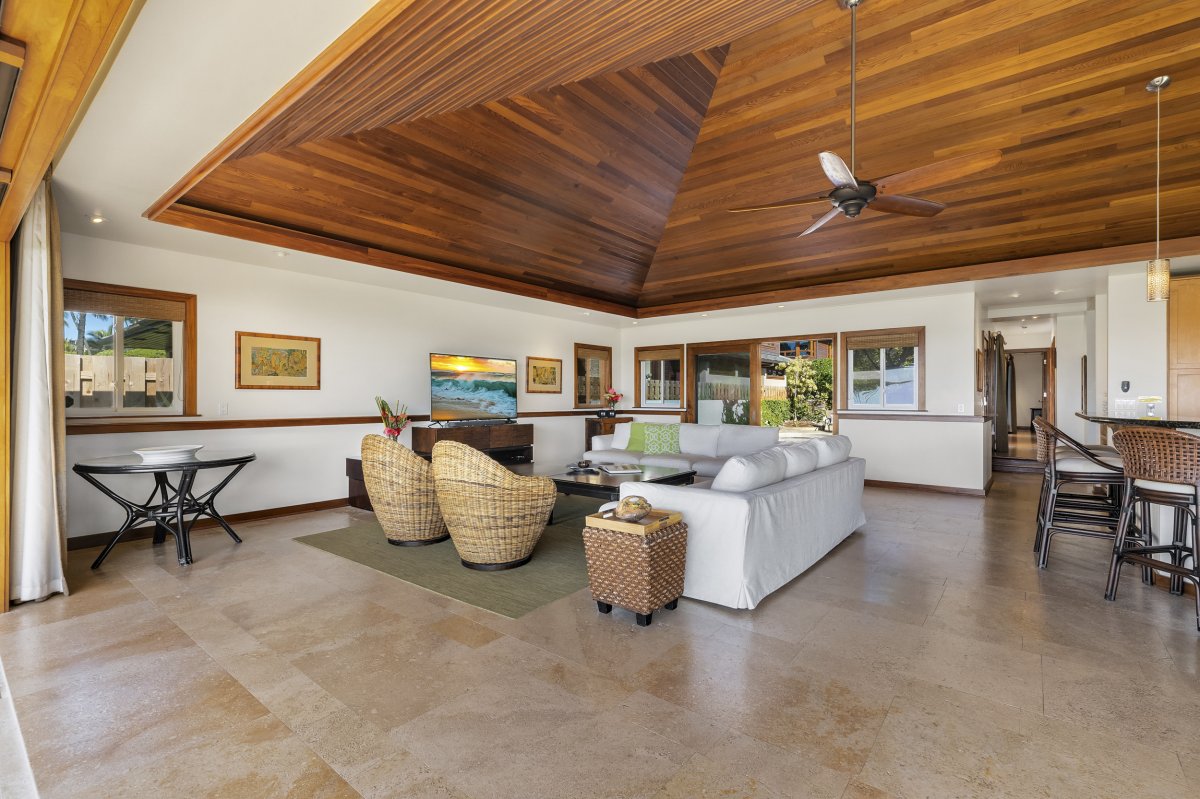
(38, 519)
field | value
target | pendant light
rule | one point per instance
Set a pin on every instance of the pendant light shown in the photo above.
(1158, 270)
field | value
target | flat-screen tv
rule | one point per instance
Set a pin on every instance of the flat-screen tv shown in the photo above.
(463, 387)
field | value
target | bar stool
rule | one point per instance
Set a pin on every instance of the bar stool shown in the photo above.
(1162, 467)
(1070, 463)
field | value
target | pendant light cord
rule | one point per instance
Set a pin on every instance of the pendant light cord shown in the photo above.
(1157, 169)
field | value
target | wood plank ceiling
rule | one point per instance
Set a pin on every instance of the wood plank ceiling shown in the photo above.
(587, 151)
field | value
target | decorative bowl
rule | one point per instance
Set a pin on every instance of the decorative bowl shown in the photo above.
(632, 508)
(169, 453)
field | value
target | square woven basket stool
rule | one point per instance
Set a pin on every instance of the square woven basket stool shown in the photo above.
(636, 566)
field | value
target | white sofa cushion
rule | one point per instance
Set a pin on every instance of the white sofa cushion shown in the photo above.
(831, 450)
(801, 458)
(612, 456)
(748, 472)
(707, 467)
(738, 439)
(699, 439)
(667, 459)
(620, 435)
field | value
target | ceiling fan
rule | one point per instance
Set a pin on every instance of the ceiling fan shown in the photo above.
(851, 195)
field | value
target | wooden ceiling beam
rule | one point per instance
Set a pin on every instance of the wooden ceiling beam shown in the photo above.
(278, 236)
(1022, 266)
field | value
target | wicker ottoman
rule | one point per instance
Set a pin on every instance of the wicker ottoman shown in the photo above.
(636, 566)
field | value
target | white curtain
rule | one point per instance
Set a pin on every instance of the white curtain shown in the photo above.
(38, 522)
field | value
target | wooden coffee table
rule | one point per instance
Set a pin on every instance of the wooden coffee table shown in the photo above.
(608, 486)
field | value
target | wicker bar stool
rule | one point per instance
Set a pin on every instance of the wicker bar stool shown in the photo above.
(1069, 463)
(400, 485)
(495, 517)
(1162, 468)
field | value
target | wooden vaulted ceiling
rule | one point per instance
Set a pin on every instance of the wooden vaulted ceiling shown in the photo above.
(587, 151)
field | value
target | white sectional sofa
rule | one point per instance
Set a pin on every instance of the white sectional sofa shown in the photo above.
(766, 518)
(704, 448)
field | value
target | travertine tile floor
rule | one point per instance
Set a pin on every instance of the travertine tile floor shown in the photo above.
(925, 657)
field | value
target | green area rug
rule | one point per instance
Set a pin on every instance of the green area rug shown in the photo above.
(558, 566)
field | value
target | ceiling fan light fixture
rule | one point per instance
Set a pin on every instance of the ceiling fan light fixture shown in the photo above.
(1158, 269)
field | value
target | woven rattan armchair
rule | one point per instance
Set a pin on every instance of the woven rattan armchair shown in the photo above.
(400, 485)
(495, 517)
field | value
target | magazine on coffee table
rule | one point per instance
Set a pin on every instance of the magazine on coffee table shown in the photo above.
(621, 468)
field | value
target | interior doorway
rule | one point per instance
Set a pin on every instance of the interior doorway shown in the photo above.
(1030, 389)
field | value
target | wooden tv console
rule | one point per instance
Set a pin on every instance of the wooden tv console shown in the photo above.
(506, 443)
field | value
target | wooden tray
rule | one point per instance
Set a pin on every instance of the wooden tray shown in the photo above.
(655, 520)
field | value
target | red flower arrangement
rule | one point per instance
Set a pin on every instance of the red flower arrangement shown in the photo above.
(394, 422)
(612, 397)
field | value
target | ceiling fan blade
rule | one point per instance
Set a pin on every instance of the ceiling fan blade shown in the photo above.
(815, 226)
(909, 206)
(836, 170)
(940, 173)
(781, 204)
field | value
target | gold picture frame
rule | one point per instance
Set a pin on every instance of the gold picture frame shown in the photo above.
(272, 361)
(543, 375)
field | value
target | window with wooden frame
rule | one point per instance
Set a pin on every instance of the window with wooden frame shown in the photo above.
(593, 374)
(658, 377)
(128, 350)
(884, 369)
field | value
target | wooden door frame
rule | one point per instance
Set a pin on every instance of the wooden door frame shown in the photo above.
(691, 350)
(1049, 362)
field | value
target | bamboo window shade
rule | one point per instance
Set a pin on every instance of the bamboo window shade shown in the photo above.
(660, 354)
(589, 352)
(123, 305)
(883, 340)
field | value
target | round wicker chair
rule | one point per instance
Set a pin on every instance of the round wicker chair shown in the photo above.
(495, 517)
(400, 485)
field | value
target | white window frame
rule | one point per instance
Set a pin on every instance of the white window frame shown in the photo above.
(118, 408)
(883, 404)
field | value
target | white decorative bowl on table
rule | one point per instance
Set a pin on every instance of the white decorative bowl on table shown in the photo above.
(168, 453)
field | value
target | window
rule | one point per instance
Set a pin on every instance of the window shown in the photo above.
(593, 375)
(657, 379)
(885, 369)
(128, 350)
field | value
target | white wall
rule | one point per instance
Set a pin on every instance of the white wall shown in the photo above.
(373, 341)
(1070, 344)
(950, 454)
(1137, 340)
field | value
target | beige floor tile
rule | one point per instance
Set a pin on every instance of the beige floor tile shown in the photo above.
(924, 656)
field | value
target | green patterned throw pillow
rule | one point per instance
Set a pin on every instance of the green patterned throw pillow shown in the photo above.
(637, 437)
(662, 439)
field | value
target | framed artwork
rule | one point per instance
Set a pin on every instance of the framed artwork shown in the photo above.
(979, 370)
(266, 360)
(543, 375)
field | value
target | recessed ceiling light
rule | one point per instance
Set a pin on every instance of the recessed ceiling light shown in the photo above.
(96, 218)
(281, 254)
(1057, 292)
(704, 314)
(782, 306)
(1035, 317)
(635, 321)
(1015, 294)
(586, 313)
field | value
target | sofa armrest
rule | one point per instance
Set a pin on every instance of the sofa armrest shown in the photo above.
(718, 525)
(602, 442)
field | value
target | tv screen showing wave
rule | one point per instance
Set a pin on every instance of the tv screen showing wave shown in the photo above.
(468, 387)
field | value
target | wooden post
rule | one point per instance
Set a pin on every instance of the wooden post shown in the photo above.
(5, 427)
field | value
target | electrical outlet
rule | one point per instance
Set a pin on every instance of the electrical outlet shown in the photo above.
(223, 409)
(962, 408)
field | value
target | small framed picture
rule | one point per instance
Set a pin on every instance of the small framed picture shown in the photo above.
(266, 360)
(543, 375)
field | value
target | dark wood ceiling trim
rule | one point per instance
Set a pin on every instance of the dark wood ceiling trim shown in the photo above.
(1173, 248)
(278, 236)
(356, 36)
(64, 45)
